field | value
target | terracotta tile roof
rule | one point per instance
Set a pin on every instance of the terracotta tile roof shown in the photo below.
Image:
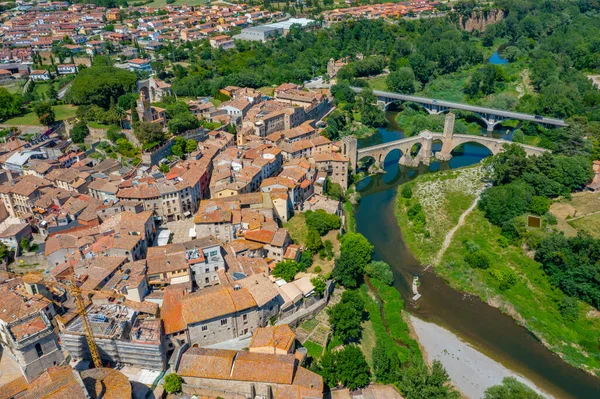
(106, 383)
(171, 313)
(58, 382)
(29, 327)
(260, 367)
(215, 302)
(260, 235)
(206, 363)
(280, 337)
(13, 388)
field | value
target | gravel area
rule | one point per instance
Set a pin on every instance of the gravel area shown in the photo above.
(471, 371)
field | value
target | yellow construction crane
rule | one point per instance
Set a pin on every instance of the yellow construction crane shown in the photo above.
(77, 294)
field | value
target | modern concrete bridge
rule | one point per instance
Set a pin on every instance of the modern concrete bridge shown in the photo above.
(491, 116)
(423, 143)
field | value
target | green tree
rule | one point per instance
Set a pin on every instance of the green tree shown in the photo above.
(313, 241)
(24, 244)
(190, 146)
(355, 254)
(45, 113)
(511, 388)
(321, 221)
(381, 271)
(164, 168)
(370, 114)
(10, 104)
(386, 364)
(100, 85)
(347, 367)
(182, 123)
(334, 190)
(286, 270)
(147, 132)
(306, 260)
(173, 383)
(79, 132)
(319, 284)
(539, 205)
(418, 382)
(401, 81)
(345, 317)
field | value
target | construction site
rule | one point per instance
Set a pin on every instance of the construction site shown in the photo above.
(122, 335)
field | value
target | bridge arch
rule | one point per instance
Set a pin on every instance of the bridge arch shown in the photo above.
(490, 147)
(365, 161)
(392, 155)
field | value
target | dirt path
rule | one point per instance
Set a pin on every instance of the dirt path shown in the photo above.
(450, 235)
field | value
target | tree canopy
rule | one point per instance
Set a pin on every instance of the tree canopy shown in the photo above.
(100, 85)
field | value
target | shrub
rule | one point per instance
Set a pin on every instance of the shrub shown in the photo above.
(505, 277)
(286, 270)
(322, 221)
(173, 383)
(539, 205)
(471, 246)
(406, 191)
(569, 308)
(318, 269)
(380, 271)
(479, 260)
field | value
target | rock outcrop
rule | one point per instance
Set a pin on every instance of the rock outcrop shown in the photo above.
(479, 20)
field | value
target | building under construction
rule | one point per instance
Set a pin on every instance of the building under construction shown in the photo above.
(123, 336)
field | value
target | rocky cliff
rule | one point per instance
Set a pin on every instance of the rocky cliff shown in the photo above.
(480, 19)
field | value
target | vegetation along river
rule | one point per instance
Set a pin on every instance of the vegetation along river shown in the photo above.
(479, 324)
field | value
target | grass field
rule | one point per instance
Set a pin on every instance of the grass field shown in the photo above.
(62, 112)
(297, 228)
(378, 83)
(532, 301)
(444, 197)
(314, 350)
(580, 213)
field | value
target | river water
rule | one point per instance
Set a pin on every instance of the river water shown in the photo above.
(479, 324)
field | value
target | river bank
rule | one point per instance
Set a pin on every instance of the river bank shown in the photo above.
(529, 298)
(471, 371)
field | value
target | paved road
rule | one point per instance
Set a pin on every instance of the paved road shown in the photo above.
(467, 107)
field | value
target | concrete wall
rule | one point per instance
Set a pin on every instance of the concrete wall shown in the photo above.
(236, 324)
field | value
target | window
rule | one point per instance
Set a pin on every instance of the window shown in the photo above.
(38, 349)
(204, 328)
(213, 253)
(206, 270)
(206, 280)
(223, 322)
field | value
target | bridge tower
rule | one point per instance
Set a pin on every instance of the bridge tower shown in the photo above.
(445, 154)
(350, 151)
(426, 151)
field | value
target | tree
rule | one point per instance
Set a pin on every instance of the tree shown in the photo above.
(45, 113)
(319, 284)
(370, 114)
(401, 81)
(79, 132)
(511, 388)
(313, 241)
(503, 203)
(190, 146)
(386, 364)
(286, 270)
(147, 132)
(173, 383)
(24, 244)
(347, 367)
(334, 190)
(182, 123)
(100, 85)
(381, 271)
(321, 221)
(306, 260)
(127, 101)
(355, 253)
(164, 168)
(345, 317)
(418, 382)
(10, 104)
(539, 205)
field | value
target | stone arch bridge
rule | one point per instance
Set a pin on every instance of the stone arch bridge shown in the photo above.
(424, 143)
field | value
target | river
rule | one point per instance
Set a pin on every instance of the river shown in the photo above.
(479, 324)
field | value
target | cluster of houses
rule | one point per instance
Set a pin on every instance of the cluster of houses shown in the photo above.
(173, 263)
(377, 11)
(87, 29)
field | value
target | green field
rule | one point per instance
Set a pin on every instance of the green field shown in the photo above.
(297, 228)
(62, 112)
(532, 301)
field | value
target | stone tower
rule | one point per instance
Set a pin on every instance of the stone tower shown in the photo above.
(350, 150)
(143, 108)
(445, 153)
